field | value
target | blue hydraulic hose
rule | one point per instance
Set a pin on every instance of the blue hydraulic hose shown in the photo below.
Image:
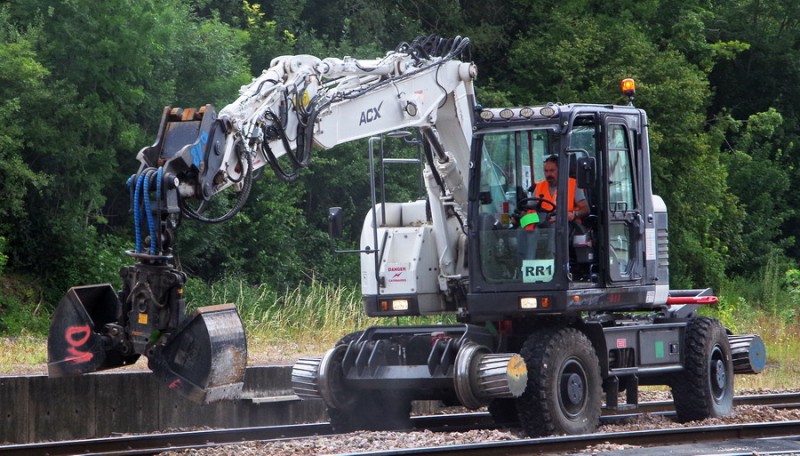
(159, 178)
(136, 220)
(151, 224)
(131, 183)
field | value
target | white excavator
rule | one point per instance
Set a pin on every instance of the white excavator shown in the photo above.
(561, 295)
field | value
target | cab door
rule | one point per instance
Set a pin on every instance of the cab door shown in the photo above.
(623, 204)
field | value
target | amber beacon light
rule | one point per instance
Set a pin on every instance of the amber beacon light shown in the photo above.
(628, 87)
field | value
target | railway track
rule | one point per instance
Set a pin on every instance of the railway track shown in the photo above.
(156, 443)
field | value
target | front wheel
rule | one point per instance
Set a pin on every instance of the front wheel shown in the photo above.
(705, 388)
(563, 395)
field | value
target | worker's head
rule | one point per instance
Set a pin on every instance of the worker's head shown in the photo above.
(551, 170)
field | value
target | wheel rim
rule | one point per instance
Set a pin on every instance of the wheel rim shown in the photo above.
(572, 388)
(718, 374)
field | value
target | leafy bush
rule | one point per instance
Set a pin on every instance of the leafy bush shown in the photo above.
(22, 310)
(3, 256)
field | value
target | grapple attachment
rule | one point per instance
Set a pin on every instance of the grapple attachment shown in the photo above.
(202, 355)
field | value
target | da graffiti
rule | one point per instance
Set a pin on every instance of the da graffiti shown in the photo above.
(76, 337)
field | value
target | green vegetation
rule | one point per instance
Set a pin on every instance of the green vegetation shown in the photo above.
(82, 86)
(308, 320)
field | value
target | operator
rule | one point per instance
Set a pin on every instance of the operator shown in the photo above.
(546, 189)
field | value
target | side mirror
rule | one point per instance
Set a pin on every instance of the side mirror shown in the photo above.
(585, 172)
(335, 222)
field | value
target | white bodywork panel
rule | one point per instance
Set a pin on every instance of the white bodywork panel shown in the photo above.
(408, 261)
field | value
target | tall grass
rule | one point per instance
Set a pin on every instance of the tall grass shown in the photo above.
(302, 319)
(767, 304)
(307, 320)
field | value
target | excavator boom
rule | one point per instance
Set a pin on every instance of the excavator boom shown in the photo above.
(299, 102)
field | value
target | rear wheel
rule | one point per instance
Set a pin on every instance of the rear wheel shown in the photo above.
(705, 388)
(563, 395)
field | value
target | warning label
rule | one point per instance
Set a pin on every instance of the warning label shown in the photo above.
(397, 272)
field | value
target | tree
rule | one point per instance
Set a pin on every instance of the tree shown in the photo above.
(21, 81)
(581, 55)
(759, 176)
(111, 68)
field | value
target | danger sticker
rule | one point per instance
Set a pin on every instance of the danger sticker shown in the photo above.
(397, 272)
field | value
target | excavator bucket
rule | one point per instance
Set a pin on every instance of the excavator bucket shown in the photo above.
(75, 345)
(205, 357)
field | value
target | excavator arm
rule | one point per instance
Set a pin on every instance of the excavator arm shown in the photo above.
(298, 103)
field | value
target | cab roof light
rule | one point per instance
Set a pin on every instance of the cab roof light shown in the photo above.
(628, 87)
(547, 111)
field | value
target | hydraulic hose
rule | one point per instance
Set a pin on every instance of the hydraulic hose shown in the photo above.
(245, 193)
(151, 223)
(136, 213)
(159, 178)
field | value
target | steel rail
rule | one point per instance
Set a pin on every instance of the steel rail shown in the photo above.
(646, 438)
(782, 400)
(155, 443)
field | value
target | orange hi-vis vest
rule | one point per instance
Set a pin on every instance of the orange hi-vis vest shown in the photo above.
(542, 191)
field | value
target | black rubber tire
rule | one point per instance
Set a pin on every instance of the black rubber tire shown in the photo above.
(564, 391)
(373, 411)
(705, 388)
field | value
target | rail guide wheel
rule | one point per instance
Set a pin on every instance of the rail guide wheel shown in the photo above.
(351, 410)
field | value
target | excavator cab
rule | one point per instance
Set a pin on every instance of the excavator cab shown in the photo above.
(556, 266)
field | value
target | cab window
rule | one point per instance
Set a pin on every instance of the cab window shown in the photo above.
(511, 163)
